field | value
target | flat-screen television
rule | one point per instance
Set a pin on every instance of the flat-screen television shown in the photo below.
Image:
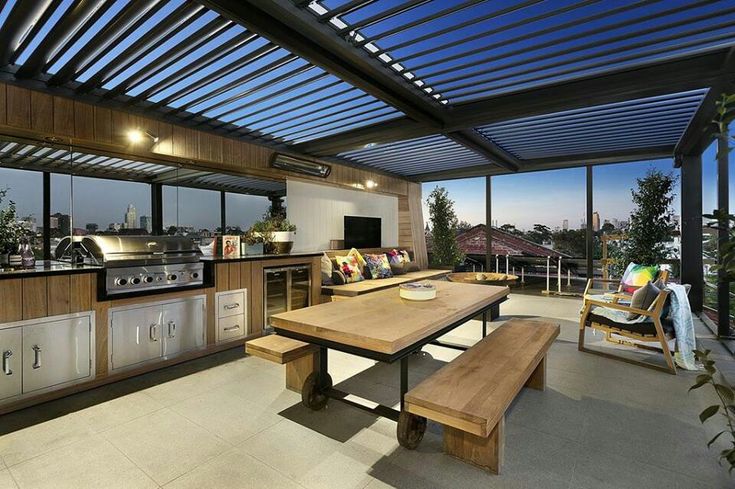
(362, 232)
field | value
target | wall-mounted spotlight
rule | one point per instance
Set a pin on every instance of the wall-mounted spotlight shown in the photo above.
(371, 184)
(137, 136)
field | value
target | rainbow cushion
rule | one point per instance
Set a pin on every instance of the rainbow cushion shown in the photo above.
(637, 276)
(349, 266)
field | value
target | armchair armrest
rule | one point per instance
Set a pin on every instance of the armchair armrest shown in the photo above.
(619, 307)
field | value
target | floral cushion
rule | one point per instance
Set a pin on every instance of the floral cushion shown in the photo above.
(350, 268)
(360, 260)
(379, 266)
(637, 276)
(396, 257)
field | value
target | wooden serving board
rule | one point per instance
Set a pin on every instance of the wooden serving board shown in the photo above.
(383, 322)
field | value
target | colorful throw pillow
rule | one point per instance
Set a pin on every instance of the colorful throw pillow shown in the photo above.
(379, 266)
(359, 258)
(636, 276)
(395, 257)
(406, 256)
(349, 266)
(643, 298)
(326, 269)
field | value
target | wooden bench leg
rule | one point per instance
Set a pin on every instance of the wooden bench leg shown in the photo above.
(537, 380)
(297, 371)
(486, 453)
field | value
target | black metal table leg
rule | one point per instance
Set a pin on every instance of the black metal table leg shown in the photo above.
(404, 378)
(317, 384)
(484, 323)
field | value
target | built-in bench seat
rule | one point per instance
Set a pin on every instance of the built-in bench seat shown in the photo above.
(300, 358)
(470, 395)
(367, 286)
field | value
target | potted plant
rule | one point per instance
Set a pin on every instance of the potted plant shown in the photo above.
(252, 243)
(284, 234)
(10, 233)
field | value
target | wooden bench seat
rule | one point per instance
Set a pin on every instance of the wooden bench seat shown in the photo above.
(300, 358)
(470, 395)
(367, 286)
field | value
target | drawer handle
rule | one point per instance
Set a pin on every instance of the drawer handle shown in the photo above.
(6, 362)
(152, 332)
(232, 306)
(232, 328)
(171, 329)
(36, 356)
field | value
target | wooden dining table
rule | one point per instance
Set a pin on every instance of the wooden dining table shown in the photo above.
(384, 327)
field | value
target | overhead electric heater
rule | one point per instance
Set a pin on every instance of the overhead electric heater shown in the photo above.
(297, 165)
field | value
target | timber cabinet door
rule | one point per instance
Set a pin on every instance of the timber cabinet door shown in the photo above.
(56, 352)
(11, 341)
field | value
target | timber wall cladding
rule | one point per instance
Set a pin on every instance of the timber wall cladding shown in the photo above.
(30, 113)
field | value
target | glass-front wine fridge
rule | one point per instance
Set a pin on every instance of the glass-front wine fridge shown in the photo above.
(285, 289)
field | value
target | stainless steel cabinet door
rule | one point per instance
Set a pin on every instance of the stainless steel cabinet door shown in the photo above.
(56, 352)
(135, 336)
(182, 326)
(11, 370)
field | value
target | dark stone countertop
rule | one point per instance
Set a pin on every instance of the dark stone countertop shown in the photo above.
(46, 267)
(222, 259)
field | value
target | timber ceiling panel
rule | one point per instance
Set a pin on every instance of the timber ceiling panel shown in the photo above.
(184, 61)
(20, 155)
(464, 50)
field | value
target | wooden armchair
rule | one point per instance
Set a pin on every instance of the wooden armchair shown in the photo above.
(619, 294)
(654, 329)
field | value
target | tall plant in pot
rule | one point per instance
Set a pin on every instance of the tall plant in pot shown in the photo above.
(10, 231)
(275, 232)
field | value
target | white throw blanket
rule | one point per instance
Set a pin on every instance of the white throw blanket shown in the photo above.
(681, 314)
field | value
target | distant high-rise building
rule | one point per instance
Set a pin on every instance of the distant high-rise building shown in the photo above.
(146, 223)
(62, 222)
(565, 224)
(131, 217)
(114, 226)
(595, 221)
(614, 221)
(92, 227)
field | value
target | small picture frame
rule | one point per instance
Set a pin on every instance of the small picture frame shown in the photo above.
(230, 246)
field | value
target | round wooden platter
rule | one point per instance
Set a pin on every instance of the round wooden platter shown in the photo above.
(483, 278)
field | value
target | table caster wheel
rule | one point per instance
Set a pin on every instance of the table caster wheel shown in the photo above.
(311, 395)
(411, 429)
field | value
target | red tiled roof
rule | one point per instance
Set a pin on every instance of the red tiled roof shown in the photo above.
(473, 242)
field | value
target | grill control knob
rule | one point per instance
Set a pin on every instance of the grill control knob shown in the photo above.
(148, 279)
(172, 276)
(135, 280)
(195, 275)
(121, 281)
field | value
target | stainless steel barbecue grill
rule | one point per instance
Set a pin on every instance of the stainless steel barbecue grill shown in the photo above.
(137, 263)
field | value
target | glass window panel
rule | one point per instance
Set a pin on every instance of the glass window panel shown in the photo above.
(243, 210)
(191, 212)
(24, 188)
(104, 206)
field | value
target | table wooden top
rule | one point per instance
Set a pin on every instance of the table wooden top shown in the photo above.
(383, 322)
(373, 285)
(473, 391)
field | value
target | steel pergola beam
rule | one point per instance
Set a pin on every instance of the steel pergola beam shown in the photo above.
(554, 163)
(700, 132)
(480, 144)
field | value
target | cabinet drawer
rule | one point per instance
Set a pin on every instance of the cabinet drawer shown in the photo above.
(231, 303)
(231, 327)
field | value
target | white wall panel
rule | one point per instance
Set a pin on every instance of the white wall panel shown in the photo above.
(318, 212)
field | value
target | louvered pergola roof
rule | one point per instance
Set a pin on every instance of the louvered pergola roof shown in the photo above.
(339, 78)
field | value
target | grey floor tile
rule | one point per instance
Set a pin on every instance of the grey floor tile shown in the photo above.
(6, 480)
(117, 411)
(165, 444)
(236, 470)
(35, 440)
(92, 462)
